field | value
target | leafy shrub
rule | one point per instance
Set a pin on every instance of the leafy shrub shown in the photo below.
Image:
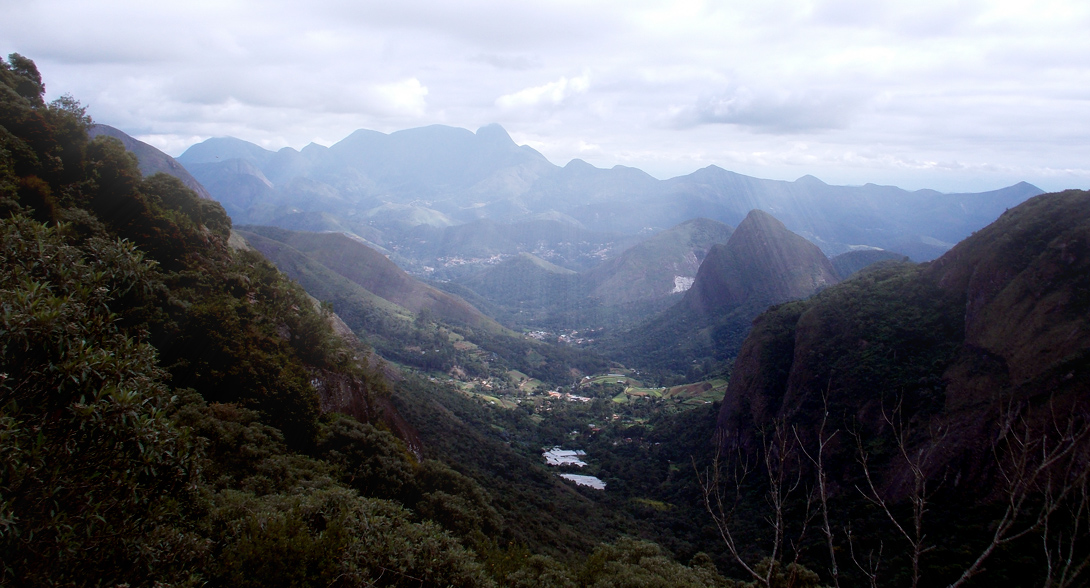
(333, 537)
(90, 466)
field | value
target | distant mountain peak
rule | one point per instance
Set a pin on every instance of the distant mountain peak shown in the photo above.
(577, 163)
(1023, 185)
(219, 149)
(494, 133)
(758, 219)
(810, 180)
(762, 263)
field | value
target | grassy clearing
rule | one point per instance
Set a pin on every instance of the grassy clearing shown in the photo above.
(643, 393)
(699, 392)
(613, 378)
(523, 383)
(688, 395)
(464, 346)
(490, 399)
(653, 504)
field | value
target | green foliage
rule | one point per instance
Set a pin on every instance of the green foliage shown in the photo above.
(332, 537)
(91, 467)
(455, 501)
(374, 462)
(887, 331)
(630, 563)
(169, 193)
(107, 475)
(790, 576)
(540, 570)
(242, 452)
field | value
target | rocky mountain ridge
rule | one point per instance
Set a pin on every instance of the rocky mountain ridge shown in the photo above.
(443, 173)
(999, 325)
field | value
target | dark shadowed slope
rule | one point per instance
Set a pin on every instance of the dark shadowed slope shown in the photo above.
(151, 159)
(851, 262)
(1001, 322)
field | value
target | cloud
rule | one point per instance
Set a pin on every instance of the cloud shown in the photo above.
(405, 96)
(673, 86)
(550, 94)
(512, 62)
(769, 112)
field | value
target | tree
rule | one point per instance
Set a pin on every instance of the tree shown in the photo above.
(91, 471)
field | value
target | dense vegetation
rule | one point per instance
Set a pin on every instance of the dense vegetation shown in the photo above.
(159, 414)
(162, 423)
(426, 339)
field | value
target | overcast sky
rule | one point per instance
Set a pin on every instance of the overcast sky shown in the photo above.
(942, 94)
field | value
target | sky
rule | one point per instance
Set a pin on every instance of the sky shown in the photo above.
(950, 95)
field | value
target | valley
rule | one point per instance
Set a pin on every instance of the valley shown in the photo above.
(434, 358)
(617, 345)
(616, 348)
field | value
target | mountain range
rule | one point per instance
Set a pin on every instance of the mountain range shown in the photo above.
(378, 186)
(689, 290)
(177, 411)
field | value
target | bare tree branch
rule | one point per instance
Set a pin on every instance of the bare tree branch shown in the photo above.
(1051, 464)
(918, 463)
(822, 483)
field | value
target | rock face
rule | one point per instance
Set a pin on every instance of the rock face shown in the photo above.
(999, 323)
(1025, 281)
(763, 263)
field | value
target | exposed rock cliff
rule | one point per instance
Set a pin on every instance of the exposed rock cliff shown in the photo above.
(999, 323)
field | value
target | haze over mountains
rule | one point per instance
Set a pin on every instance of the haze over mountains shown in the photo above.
(377, 186)
(761, 264)
(177, 411)
(578, 247)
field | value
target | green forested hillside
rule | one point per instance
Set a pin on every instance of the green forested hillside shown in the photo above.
(174, 411)
(159, 419)
(160, 409)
